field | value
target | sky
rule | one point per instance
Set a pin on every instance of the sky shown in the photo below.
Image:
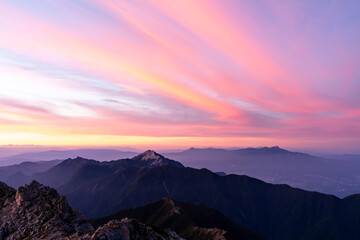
(174, 74)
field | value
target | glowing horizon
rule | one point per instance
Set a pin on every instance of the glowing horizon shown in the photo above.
(172, 74)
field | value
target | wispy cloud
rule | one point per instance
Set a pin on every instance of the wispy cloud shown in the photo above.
(180, 69)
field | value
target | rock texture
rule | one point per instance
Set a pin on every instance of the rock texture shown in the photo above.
(35, 211)
(38, 212)
(128, 229)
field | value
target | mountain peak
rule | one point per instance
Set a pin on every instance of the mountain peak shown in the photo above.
(150, 155)
(152, 158)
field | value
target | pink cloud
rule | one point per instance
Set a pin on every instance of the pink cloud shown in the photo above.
(178, 68)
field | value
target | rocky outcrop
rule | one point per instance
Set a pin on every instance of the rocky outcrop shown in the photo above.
(129, 229)
(35, 211)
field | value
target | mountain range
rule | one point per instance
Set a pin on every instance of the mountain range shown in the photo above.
(275, 211)
(338, 176)
(19, 174)
(332, 174)
(98, 154)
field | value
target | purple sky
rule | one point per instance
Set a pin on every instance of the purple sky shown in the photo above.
(175, 74)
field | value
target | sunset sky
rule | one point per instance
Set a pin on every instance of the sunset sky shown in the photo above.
(175, 74)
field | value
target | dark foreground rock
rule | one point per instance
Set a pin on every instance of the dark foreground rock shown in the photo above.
(38, 212)
(128, 229)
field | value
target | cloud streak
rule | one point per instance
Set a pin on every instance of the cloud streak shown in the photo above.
(180, 69)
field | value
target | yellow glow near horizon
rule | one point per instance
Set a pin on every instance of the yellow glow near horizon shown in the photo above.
(178, 74)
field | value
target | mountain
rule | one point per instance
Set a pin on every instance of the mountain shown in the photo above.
(19, 174)
(151, 158)
(98, 154)
(27, 168)
(188, 220)
(61, 173)
(343, 157)
(38, 212)
(85, 170)
(18, 179)
(274, 211)
(279, 166)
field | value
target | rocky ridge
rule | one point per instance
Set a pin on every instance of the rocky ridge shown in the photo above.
(35, 211)
(128, 229)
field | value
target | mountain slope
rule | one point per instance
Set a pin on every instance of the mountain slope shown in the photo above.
(89, 173)
(61, 173)
(274, 211)
(19, 174)
(127, 229)
(188, 220)
(27, 168)
(17, 179)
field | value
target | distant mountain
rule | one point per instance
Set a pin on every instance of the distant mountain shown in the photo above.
(276, 165)
(19, 174)
(38, 212)
(97, 154)
(188, 220)
(18, 179)
(27, 168)
(343, 157)
(274, 211)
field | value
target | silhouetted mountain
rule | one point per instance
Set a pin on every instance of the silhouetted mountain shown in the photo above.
(61, 173)
(276, 165)
(188, 220)
(343, 157)
(274, 211)
(90, 169)
(19, 174)
(18, 179)
(97, 154)
(221, 174)
(38, 212)
(27, 168)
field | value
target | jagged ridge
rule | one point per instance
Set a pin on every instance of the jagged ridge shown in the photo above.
(38, 212)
